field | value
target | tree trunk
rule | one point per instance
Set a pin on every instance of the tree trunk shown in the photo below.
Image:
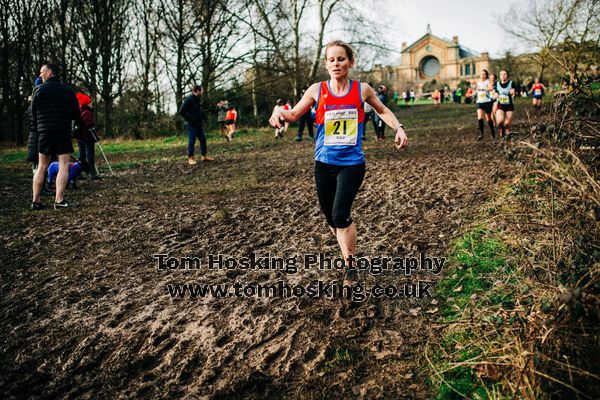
(107, 114)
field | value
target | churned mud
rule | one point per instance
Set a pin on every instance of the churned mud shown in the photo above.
(85, 313)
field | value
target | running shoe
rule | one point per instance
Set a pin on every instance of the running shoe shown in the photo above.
(479, 137)
(64, 204)
(207, 158)
(191, 161)
(298, 139)
(36, 205)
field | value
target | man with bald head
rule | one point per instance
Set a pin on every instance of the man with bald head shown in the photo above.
(53, 108)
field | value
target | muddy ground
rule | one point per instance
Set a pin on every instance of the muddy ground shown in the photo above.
(86, 314)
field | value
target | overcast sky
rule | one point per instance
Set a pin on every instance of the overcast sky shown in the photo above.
(475, 22)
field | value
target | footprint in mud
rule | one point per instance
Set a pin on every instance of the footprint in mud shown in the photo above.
(222, 341)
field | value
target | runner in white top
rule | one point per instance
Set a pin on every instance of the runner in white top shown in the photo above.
(484, 103)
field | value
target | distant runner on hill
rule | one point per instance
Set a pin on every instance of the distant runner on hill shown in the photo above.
(537, 92)
(484, 103)
(505, 93)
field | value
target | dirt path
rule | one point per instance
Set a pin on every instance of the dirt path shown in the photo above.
(85, 314)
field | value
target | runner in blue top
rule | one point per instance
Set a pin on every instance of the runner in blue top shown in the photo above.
(339, 159)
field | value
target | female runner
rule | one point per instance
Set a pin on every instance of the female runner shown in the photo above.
(505, 93)
(538, 92)
(484, 103)
(339, 159)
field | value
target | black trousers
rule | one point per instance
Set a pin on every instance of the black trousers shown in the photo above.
(306, 119)
(337, 186)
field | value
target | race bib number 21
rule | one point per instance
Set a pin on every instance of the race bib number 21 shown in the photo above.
(341, 127)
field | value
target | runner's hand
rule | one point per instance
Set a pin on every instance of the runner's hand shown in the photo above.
(401, 139)
(275, 119)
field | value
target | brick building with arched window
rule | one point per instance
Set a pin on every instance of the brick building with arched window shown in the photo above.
(433, 58)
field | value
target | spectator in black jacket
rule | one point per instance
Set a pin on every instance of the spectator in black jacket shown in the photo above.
(191, 111)
(53, 108)
(32, 145)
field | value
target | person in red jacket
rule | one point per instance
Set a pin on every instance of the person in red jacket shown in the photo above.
(86, 135)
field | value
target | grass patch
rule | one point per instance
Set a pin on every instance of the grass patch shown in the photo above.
(476, 257)
(15, 155)
(341, 358)
(475, 288)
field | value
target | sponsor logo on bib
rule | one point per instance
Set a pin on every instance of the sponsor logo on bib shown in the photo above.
(341, 127)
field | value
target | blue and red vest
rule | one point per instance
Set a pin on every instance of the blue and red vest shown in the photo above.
(340, 126)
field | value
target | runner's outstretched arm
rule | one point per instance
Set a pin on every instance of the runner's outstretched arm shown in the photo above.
(307, 101)
(386, 115)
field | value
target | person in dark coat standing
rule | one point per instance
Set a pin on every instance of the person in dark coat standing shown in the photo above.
(32, 141)
(379, 124)
(53, 109)
(191, 111)
(32, 144)
(305, 120)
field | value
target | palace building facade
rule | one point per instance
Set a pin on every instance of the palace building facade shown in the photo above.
(434, 58)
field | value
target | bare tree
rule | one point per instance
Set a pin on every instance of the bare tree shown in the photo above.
(104, 31)
(283, 22)
(6, 46)
(179, 29)
(218, 44)
(325, 9)
(542, 25)
(580, 48)
(144, 48)
(18, 23)
(61, 39)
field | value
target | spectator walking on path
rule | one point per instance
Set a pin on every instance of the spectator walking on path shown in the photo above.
(191, 111)
(53, 109)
